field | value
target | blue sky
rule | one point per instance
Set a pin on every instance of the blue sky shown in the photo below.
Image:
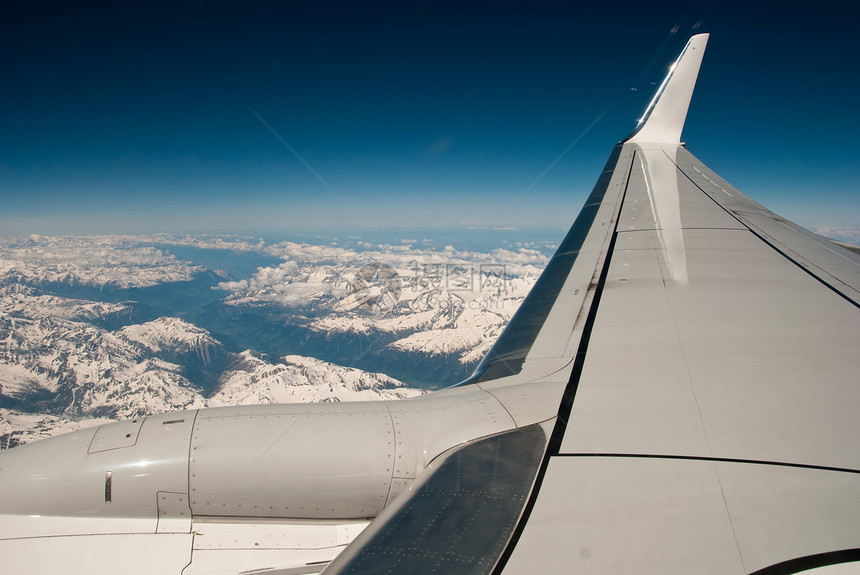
(149, 117)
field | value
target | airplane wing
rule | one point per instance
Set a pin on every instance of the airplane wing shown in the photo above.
(708, 420)
(678, 393)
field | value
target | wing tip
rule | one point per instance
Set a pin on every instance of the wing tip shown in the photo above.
(665, 115)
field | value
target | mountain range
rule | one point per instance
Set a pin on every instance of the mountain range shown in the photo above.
(96, 329)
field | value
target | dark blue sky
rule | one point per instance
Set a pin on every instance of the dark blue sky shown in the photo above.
(137, 117)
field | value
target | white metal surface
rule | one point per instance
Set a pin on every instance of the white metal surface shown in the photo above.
(830, 262)
(135, 554)
(222, 545)
(301, 461)
(742, 355)
(58, 486)
(664, 118)
(628, 516)
(268, 487)
(427, 426)
(638, 515)
(557, 340)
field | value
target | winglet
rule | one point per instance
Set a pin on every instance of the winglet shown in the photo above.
(664, 118)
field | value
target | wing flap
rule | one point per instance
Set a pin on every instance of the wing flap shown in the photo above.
(834, 265)
(459, 515)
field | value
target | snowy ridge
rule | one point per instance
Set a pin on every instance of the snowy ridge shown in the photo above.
(78, 374)
(442, 305)
(175, 335)
(80, 369)
(20, 300)
(433, 320)
(302, 379)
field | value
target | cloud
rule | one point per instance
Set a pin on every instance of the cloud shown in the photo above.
(228, 242)
(318, 273)
(92, 260)
(288, 284)
(840, 233)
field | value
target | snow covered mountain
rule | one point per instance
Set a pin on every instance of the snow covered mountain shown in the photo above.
(54, 372)
(104, 328)
(296, 379)
(60, 364)
(447, 306)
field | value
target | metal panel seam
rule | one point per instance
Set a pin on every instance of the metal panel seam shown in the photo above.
(715, 459)
(394, 458)
(188, 465)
